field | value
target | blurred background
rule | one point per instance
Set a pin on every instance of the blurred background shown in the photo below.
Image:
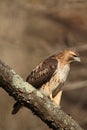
(32, 30)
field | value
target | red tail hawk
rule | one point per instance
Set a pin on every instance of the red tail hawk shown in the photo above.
(50, 75)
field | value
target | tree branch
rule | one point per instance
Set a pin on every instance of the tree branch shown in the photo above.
(14, 85)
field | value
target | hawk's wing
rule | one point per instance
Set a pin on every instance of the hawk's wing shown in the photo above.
(43, 72)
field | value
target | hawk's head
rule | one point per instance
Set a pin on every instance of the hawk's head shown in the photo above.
(69, 56)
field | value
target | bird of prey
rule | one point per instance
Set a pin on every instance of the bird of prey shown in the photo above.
(50, 75)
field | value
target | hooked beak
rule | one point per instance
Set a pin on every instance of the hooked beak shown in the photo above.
(77, 59)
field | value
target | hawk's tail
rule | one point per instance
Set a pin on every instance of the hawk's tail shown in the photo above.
(16, 107)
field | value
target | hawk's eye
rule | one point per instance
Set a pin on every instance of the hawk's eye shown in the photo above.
(74, 55)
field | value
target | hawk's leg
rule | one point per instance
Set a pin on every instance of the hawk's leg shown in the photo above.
(56, 100)
(56, 94)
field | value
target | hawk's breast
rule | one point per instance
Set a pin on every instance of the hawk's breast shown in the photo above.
(59, 77)
(63, 72)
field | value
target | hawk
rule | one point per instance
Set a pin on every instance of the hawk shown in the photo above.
(50, 75)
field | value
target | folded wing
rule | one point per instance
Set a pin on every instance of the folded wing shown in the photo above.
(43, 72)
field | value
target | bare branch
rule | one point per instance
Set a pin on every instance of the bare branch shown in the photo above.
(54, 117)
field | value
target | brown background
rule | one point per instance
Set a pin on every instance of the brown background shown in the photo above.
(30, 31)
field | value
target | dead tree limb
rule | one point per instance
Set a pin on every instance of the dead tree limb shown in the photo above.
(14, 85)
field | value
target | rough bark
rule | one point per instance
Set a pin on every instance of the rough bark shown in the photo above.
(54, 117)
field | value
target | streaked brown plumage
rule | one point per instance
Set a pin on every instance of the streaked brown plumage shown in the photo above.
(43, 72)
(50, 75)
